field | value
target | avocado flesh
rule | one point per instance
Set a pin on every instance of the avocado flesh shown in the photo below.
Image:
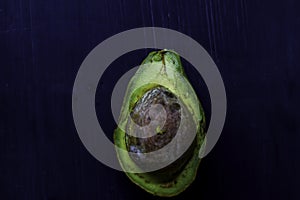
(172, 179)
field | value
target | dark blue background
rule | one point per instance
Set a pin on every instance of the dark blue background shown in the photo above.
(254, 43)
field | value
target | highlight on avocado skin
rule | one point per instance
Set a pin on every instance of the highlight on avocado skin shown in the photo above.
(159, 115)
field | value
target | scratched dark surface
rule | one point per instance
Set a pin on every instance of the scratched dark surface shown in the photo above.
(255, 44)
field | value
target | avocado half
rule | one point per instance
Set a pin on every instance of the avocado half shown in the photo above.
(166, 85)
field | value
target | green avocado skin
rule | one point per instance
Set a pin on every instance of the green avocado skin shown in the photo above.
(150, 182)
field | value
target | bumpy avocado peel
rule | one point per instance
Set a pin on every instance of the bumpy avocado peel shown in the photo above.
(171, 76)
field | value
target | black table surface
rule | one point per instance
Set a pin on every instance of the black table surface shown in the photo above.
(255, 44)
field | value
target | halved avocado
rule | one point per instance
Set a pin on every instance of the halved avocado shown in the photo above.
(165, 85)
